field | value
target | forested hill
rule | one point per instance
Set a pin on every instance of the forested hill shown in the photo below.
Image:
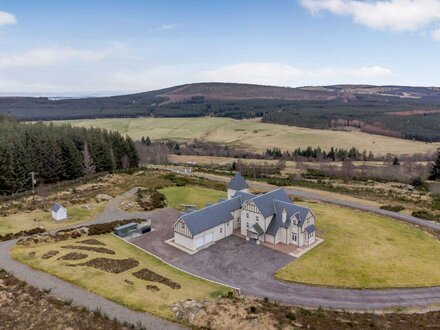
(408, 112)
(57, 153)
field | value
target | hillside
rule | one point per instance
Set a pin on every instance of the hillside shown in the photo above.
(400, 111)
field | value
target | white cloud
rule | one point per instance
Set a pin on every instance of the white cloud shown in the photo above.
(286, 75)
(164, 27)
(436, 34)
(47, 56)
(388, 15)
(7, 18)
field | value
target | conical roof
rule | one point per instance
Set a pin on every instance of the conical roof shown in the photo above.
(238, 182)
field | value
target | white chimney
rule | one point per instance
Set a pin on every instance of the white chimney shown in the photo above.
(284, 216)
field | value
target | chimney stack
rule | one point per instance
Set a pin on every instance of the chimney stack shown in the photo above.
(284, 216)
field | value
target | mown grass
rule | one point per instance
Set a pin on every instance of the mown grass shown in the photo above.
(113, 286)
(194, 195)
(363, 250)
(254, 135)
(27, 220)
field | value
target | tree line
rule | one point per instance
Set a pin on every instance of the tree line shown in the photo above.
(334, 154)
(58, 153)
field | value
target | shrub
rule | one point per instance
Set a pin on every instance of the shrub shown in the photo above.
(393, 208)
(313, 174)
(290, 316)
(105, 228)
(253, 309)
(419, 184)
(425, 215)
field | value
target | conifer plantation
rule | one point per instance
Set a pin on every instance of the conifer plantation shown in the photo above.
(58, 153)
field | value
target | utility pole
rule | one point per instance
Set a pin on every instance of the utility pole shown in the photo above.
(33, 184)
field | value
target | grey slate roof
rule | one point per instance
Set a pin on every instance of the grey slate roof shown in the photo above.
(211, 216)
(244, 196)
(237, 182)
(56, 207)
(310, 229)
(291, 210)
(265, 202)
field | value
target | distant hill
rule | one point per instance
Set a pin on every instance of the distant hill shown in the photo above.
(365, 107)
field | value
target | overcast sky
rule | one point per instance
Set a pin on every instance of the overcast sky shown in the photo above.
(52, 47)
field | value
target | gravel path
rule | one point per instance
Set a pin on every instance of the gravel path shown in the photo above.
(79, 296)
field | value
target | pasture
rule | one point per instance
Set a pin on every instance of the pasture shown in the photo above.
(363, 250)
(254, 135)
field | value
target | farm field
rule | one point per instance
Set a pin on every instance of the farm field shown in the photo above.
(253, 135)
(363, 250)
(123, 273)
(76, 215)
(176, 196)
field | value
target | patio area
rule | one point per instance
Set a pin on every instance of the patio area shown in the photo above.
(290, 249)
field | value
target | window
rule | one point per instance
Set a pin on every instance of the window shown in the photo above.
(294, 238)
(247, 215)
(221, 230)
(247, 224)
(238, 220)
(227, 224)
(183, 226)
(256, 218)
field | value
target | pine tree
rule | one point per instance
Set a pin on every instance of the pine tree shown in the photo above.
(89, 165)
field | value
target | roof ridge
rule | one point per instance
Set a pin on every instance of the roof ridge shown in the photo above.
(214, 204)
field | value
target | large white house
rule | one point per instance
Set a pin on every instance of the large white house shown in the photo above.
(269, 217)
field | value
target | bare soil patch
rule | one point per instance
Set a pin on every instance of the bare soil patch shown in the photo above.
(148, 275)
(73, 256)
(49, 254)
(26, 307)
(91, 241)
(89, 248)
(114, 266)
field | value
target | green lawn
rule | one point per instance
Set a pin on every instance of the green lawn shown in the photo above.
(176, 196)
(123, 288)
(27, 220)
(363, 250)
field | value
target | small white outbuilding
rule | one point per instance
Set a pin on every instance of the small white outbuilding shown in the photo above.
(59, 212)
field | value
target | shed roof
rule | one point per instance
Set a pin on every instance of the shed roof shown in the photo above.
(211, 216)
(238, 182)
(56, 207)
